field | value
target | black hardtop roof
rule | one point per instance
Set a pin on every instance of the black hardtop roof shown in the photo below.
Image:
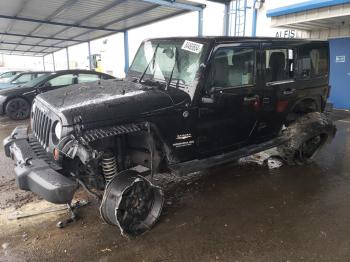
(225, 39)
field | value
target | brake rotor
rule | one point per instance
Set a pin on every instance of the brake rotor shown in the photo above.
(132, 203)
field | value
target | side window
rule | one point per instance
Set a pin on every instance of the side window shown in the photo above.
(24, 78)
(279, 64)
(233, 67)
(313, 62)
(62, 80)
(84, 78)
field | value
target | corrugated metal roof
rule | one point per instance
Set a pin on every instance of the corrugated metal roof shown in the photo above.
(37, 27)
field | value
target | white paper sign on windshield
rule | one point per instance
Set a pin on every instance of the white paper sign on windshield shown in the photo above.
(192, 47)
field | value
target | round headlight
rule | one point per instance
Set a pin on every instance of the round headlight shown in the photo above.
(58, 130)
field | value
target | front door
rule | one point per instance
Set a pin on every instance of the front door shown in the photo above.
(228, 107)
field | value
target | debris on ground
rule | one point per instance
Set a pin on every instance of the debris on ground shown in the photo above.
(268, 157)
(274, 162)
(5, 245)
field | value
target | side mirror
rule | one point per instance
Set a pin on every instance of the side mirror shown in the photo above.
(45, 85)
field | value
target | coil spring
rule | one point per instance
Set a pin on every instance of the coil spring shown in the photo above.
(109, 166)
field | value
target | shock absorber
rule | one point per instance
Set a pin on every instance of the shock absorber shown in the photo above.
(109, 166)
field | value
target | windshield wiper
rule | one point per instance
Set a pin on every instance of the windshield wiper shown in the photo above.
(152, 61)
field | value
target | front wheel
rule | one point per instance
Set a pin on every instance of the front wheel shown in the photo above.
(306, 136)
(17, 109)
(132, 203)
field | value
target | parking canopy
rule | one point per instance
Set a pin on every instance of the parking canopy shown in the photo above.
(41, 27)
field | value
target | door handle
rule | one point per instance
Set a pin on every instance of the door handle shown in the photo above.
(289, 91)
(250, 98)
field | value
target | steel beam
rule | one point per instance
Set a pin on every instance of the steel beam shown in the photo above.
(32, 45)
(227, 19)
(58, 11)
(89, 51)
(126, 52)
(53, 61)
(200, 22)
(67, 53)
(32, 20)
(98, 12)
(22, 51)
(8, 53)
(175, 5)
(44, 63)
(42, 37)
(121, 19)
(255, 16)
(158, 19)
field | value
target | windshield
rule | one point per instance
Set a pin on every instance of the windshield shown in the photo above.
(174, 63)
(37, 80)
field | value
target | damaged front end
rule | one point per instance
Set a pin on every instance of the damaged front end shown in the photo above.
(97, 160)
(35, 170)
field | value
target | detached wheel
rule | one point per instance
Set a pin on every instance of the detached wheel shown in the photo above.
(17, 109)
(132, 203)
(306, 136)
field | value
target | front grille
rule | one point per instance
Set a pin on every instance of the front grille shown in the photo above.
(41, 127)
(41, 153)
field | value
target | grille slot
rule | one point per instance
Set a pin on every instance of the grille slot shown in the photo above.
(41, 127)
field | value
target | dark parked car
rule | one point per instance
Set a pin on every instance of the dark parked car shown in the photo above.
(16, 102)
(186, 104)
(21, 78)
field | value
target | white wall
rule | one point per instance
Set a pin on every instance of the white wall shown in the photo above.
(22, 62)
(263, 27)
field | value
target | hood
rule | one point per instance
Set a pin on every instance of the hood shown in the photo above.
(109, 102)
(14, 90)
(6, 85)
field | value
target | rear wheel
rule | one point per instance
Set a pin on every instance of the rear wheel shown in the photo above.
(17, 109)
(306, 137)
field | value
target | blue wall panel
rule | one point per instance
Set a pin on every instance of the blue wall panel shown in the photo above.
(340, 72)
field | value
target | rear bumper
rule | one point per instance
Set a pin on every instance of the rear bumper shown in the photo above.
(33, 173)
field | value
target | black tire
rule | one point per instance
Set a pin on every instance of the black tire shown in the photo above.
(17, 109)
(306, 135)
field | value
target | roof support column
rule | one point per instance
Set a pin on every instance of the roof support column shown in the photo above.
(255, 15)
(89, 51)
(53, 61)
(67, 53)
(126, 51)
(200, 22)
(44, 63)
(227, 19)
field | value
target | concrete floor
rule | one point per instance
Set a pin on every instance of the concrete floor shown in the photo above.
(233, 213)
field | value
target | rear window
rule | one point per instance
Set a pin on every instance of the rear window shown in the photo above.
(313, 62)
(85, 78)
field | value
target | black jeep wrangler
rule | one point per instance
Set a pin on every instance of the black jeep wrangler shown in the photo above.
(186, 104)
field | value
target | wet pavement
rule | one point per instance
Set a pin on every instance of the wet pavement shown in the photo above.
(232, 213)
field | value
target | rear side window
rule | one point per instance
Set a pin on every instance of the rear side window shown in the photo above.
(313, 62)
(24, 78)
(279, 64)
(233, 67)
(62, 80)
(84, 78)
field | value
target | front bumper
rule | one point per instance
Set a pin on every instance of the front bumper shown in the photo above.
(33, 169)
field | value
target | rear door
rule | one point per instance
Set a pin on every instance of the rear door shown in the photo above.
(227, 112)
(278, 87)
